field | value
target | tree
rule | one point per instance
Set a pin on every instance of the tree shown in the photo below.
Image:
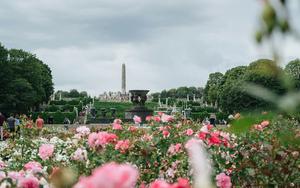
(25, 81)
(74, 93)
(293, 70)
(211, 90)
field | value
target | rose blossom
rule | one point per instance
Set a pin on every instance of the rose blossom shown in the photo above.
(166, 118)
(166, 133)
(29, 182)
(189, 132)
(83, 130)
(156, 119)
(159, 184)
(214, 139)
(110, 175)
(33, 166)
(137, 119)
(223, 181)
(2, 165)
(264, 123)
(148, 118)
(80, 155)
(101, 139)
(122, 145)
(117, 126)
(202, 135)
(118, 121)
(173, 149)
(132, 128)
(46, 151)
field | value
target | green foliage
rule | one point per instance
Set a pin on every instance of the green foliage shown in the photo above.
(180, 93)
(25, 81)
(58, 117)
(212, 87)
(293, 70)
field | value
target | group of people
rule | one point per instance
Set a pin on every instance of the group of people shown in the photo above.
(14, 122)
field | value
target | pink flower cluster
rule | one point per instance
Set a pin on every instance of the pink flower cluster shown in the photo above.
(161, 117)
(181, 183)
(122, 145)
(189, 132)
(33, 166)
(117, 124)
(83, 130)
(213, 137)
(2, 165)
(223, 181)
(46, 151)
(24, 179)
(80, 155)
(110, 175)
(101, 139)
(173, 149)
(262, 125)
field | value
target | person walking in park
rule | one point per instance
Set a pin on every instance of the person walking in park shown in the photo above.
(39, 122)
(2, 119)
(17, 124)
(11, 124)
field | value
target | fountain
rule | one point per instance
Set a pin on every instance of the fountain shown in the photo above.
(138, 98)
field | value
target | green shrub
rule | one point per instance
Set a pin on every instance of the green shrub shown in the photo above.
(52, 108)
(58, 117)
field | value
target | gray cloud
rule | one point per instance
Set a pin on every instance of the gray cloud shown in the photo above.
(164, 44)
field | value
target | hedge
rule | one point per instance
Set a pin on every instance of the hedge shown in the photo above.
(58, 117)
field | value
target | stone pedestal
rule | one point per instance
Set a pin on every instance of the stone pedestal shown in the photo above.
(138, 98)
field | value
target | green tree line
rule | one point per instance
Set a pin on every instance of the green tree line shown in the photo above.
(229, 91)
(26, 82)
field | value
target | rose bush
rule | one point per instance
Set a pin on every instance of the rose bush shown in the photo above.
(152, 156)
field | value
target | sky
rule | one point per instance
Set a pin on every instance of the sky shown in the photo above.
(164, 44)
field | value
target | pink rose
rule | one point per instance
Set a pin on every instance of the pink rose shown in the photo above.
(83, 130)
(137, 119)
(189, 132)
(2, 165)
(173, 149)
(122, 145)
(166, 133)
(214, 139)
(33, 166)
(93, 137)
(46, 151)
(110, 175)
(80, 155)
(117, 126)
(132, 128)
(29, 182)
(202, 135)
(101, 139)
(265, 123)
(148, 118)
(159, 184)
(117, 121)
(223, 181)
(182, 183)
(156, 119)
(166, 118)
(258, 127)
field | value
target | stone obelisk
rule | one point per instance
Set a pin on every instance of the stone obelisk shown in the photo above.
(123, 79)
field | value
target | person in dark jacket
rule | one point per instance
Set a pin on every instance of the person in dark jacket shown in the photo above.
(11, 121)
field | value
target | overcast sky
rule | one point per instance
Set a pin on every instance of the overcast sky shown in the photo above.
(164, 43)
